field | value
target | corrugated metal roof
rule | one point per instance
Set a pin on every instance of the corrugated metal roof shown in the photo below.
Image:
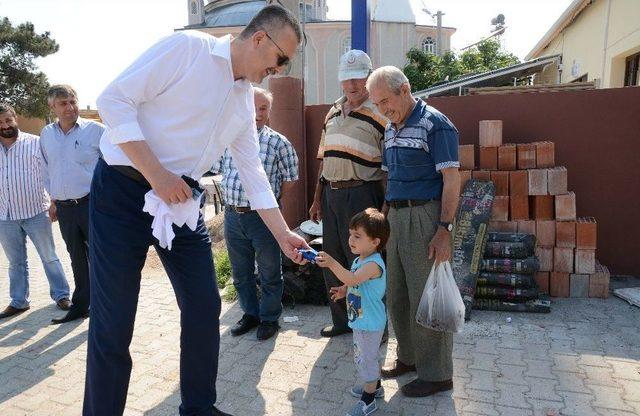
(495, 78)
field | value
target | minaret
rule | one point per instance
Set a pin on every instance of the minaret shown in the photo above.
(195, 12)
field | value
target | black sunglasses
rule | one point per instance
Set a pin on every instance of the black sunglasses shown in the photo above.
(283, 60)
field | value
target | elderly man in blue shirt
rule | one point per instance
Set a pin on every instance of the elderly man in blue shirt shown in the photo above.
(421, 158)
(71, 149)
(248, 238)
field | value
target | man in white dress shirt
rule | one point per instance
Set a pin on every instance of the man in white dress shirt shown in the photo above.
(169, 117)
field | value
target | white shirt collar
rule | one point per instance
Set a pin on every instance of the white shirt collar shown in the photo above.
(222, 47)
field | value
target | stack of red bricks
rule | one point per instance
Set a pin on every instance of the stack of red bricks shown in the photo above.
(532, 197)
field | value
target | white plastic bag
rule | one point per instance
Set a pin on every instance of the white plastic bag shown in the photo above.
(441, 307)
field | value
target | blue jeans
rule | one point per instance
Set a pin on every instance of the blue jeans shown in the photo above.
(248, 239)
(119, 239)
(13, 238)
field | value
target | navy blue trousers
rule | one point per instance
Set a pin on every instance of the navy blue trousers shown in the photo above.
(119, 238)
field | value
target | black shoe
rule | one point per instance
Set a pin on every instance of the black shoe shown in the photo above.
(244, 325)
(11, 311)
(72, 315)
(334, 331)
(396, 369)
(217, 412)
(64, 304)
(421, 388)
(267, 329)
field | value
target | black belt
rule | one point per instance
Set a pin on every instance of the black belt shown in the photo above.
(139, 177)
(345, 184)
(73, 201)
(406, 203)
(132, 173)
(240, 210)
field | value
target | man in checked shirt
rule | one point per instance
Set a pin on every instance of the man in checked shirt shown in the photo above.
(248, 238)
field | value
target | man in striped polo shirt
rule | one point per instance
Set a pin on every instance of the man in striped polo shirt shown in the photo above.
(23, 212)
(350, 179)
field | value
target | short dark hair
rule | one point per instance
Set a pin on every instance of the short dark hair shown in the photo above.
(6, 108)
(61, 91)
(270, 18)
(374, 224)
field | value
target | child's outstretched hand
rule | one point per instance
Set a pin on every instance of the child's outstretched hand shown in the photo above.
(337, 293)
(324, 260)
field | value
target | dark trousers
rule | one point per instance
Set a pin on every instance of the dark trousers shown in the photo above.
(74, 227)
(249, 240)
(338, 207)
(120, 236)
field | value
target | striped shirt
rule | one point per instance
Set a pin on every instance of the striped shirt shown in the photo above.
(22, 193)
(279, 160)
(416, 153)
(351, 146)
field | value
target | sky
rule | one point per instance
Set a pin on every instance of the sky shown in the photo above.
(99, 38)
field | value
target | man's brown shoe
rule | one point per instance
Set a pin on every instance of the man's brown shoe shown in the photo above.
(64, 304)
(396, 369)
(421, 388)
(11, 311)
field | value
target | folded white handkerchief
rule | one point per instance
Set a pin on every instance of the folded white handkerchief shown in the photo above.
(164, 216)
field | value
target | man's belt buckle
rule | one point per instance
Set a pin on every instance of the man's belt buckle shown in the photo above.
(241, 210)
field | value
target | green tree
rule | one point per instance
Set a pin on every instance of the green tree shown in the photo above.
(21, 83)
(426, 69)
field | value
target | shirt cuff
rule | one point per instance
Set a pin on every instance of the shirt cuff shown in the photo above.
(263, 200)
(444, 165)
(128, 132)
(384, 168)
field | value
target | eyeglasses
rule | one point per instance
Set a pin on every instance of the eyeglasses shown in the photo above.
(283, 60)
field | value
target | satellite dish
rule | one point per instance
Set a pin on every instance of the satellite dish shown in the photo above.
(498, 20)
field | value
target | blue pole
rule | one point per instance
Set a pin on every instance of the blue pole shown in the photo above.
(360, 23)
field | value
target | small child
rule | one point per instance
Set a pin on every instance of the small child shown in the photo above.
(364, 287)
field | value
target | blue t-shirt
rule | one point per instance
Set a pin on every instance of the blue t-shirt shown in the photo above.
(414, 155)
(365, 308)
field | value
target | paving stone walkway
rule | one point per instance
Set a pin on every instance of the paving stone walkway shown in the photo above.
(583, 359)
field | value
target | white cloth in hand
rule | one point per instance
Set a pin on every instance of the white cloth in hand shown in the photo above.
(164, 216)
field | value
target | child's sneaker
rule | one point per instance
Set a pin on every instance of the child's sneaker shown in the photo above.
(356, 391)
(361, 409)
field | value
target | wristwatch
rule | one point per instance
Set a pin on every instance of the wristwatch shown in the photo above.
(447, 225)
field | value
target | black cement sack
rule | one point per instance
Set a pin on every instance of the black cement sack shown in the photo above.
(509, 250)
(506, 293)
(534, 306)
(528, 239)
(522, 266)
(506, 279)
(469, 237)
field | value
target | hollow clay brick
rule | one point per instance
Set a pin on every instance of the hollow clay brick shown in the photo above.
(490, 133)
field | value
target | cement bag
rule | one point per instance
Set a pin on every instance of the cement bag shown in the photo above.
(441, 307)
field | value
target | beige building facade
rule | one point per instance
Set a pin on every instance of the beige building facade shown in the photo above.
(599, 40)
(393, 32)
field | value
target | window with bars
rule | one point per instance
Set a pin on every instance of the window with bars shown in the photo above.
(631, 70)
(429, 45)
(346, 45)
